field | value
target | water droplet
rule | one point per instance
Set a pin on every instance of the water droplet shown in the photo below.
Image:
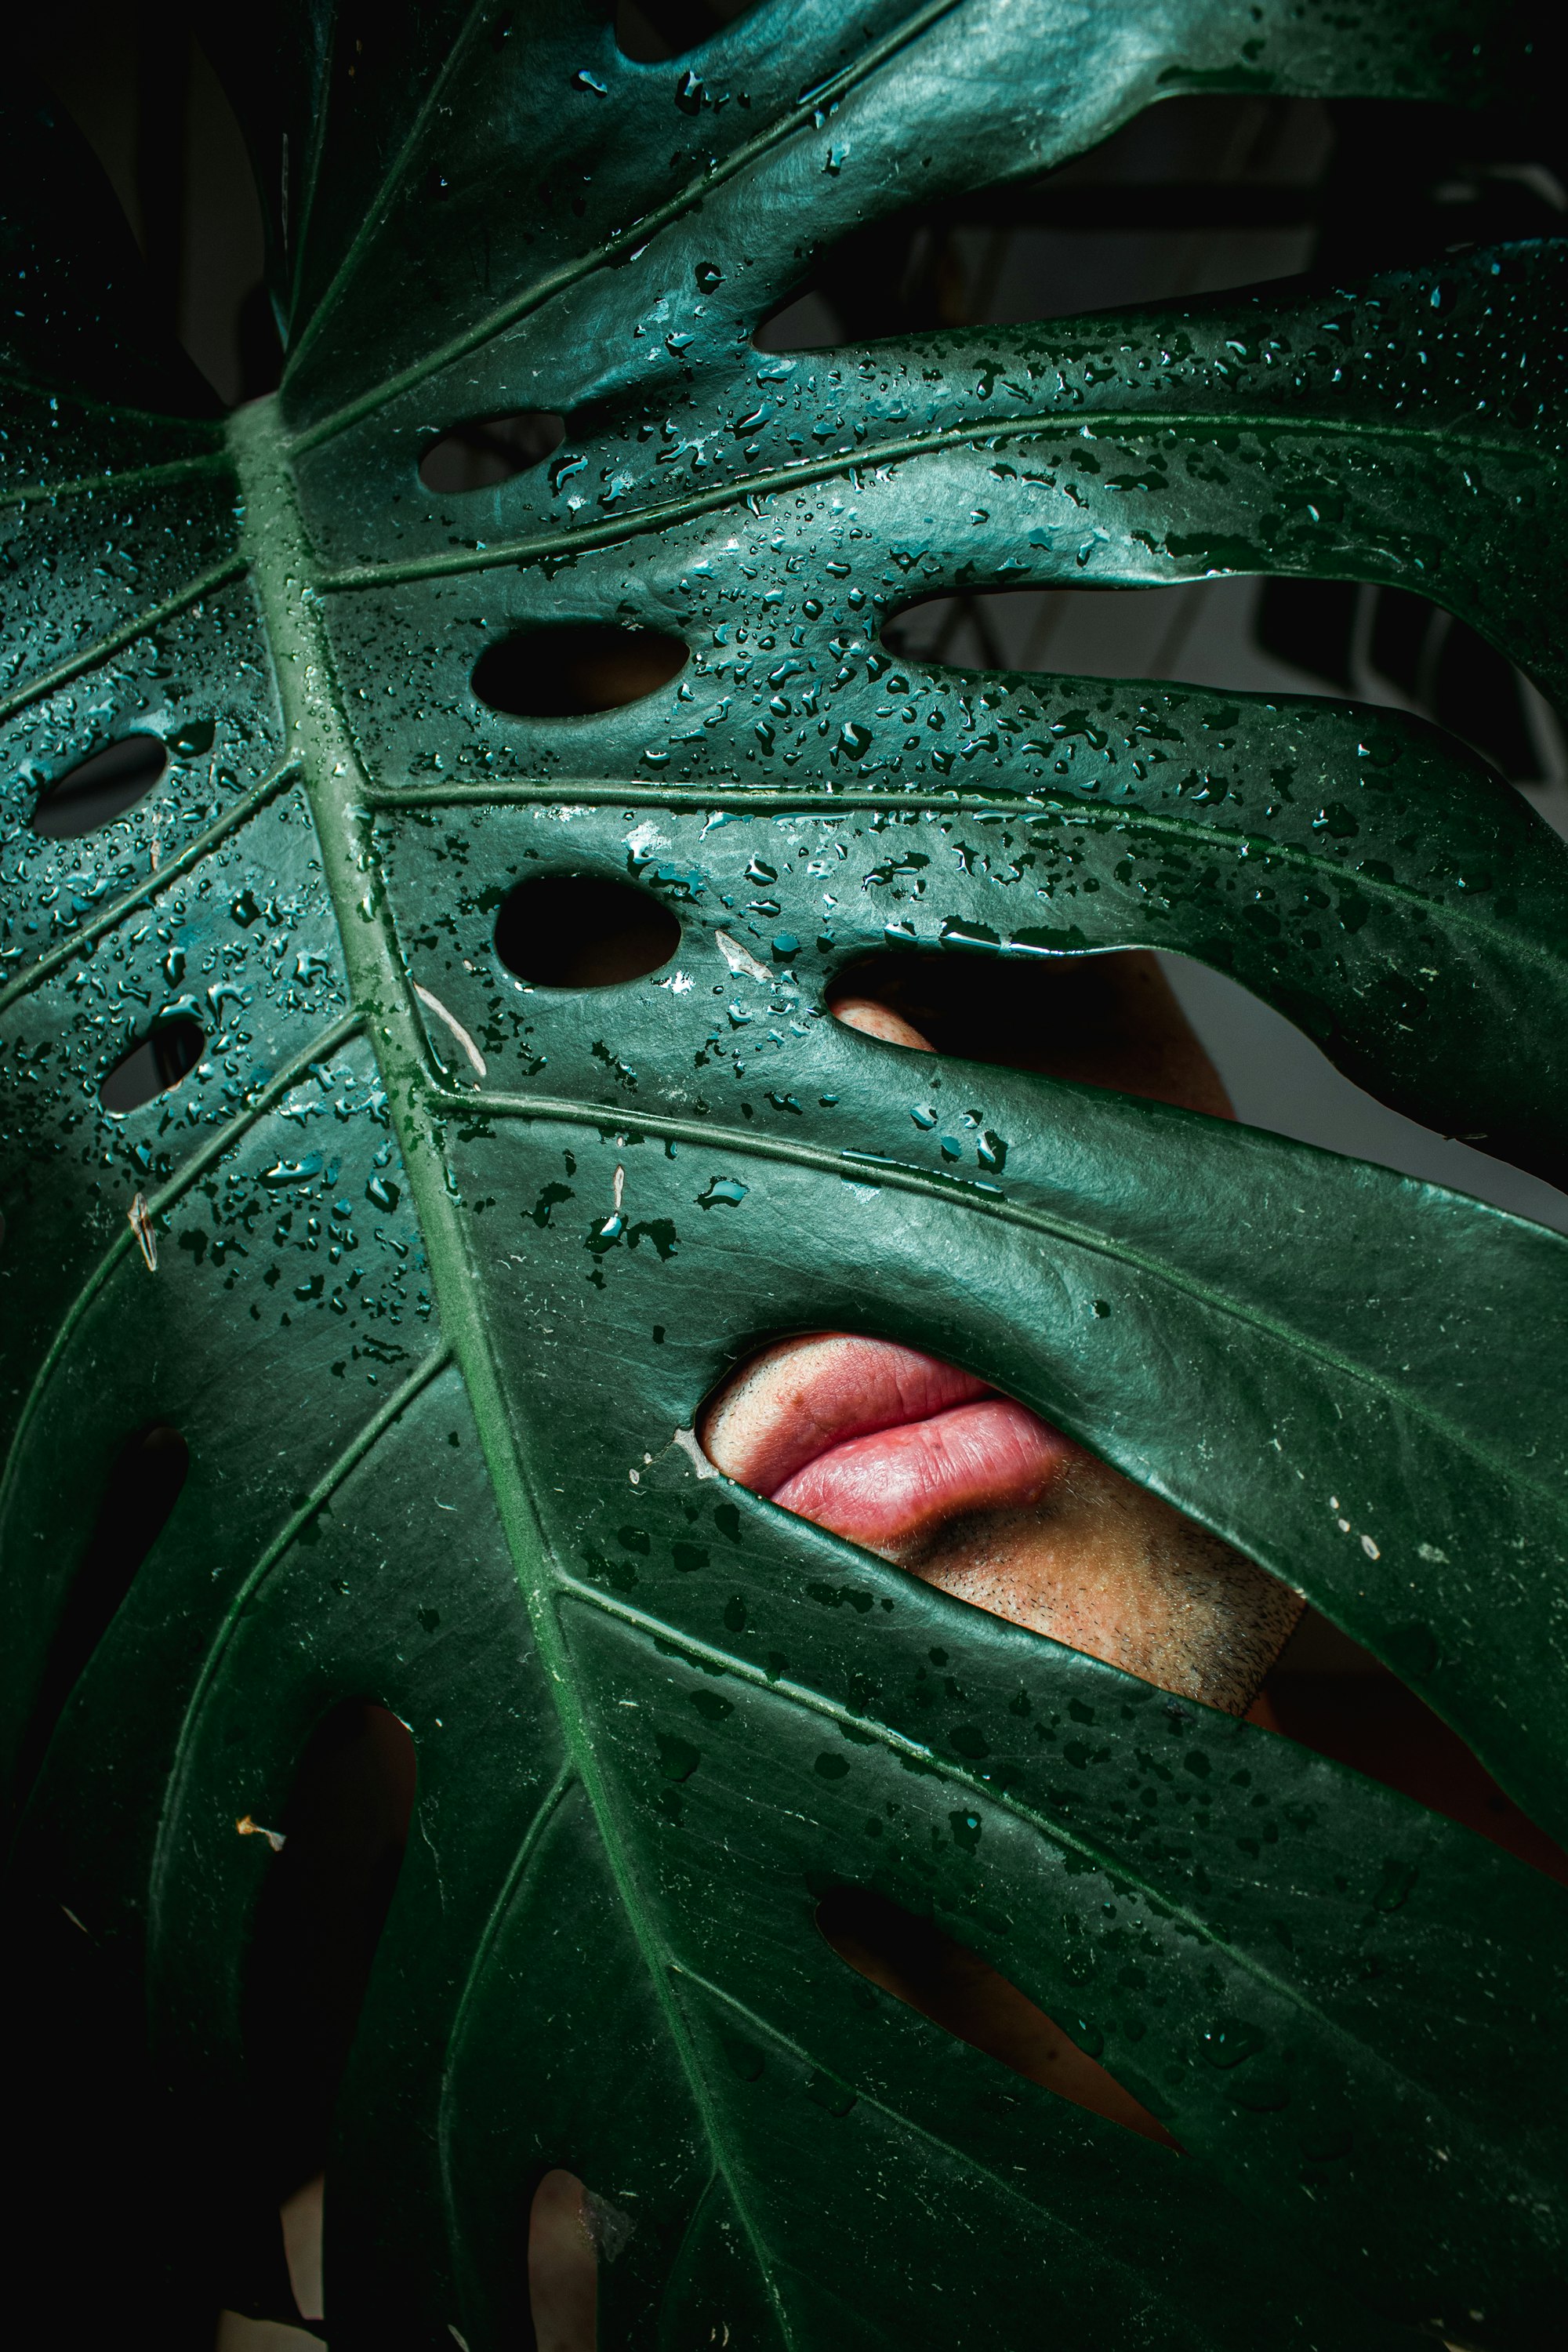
(678, 1759)
(1393, 1888)
(836, 2096)
(746, 2061)
(1230, 2042)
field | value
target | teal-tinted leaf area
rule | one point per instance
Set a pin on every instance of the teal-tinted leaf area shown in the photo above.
(430, 1268)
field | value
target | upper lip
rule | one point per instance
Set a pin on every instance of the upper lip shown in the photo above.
(875, 1440)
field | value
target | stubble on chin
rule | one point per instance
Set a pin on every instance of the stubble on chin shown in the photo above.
(1099, 1565)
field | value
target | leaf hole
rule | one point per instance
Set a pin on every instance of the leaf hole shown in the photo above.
(1394, 646)
(139, 1495)
(650, 31)
(324, 1903)
(563, 2266)
(1106, 1020)
(237, 2332)
(573, 669)
(302, 2220)
(919, 1963)
(584, 930)
(1162, 1025)
(486, 450)
(99, 788)
(158, 1060)
(1279, 1077)
(1329, 1694)
(1197, 193)
(1258, 634)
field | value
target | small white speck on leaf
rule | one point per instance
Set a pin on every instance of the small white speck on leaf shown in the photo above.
(427, 997)
(740, 958)
(141, 1225)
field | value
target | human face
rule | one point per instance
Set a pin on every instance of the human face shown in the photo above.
(936, 1471)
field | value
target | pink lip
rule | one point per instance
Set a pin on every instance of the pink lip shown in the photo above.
(876, 1442)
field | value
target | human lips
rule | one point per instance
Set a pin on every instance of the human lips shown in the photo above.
(876, 1442)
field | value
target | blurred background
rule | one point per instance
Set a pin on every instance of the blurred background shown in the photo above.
(1195, 195)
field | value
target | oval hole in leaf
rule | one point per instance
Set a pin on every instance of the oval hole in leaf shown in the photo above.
(484, 450)
(99, 788)
(324, 1904)
(649, 31)
(563, 2266)
(575, 668)
(157, 1061)
(584, 930)
(922, 1965)
(139, 1494)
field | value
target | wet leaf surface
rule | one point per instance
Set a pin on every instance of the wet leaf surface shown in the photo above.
(446, 1256)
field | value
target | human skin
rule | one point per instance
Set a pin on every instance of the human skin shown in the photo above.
(934, 1471)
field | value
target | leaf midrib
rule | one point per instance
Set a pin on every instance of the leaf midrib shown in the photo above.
(319, 735)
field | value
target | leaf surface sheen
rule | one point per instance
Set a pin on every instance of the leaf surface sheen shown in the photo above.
(444, 1263)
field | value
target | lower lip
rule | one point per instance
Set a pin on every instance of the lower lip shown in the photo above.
(900, 1484)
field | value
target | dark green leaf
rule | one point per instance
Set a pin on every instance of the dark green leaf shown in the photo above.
(431, 1269)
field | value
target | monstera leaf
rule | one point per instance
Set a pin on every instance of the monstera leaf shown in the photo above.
(429, 1265)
